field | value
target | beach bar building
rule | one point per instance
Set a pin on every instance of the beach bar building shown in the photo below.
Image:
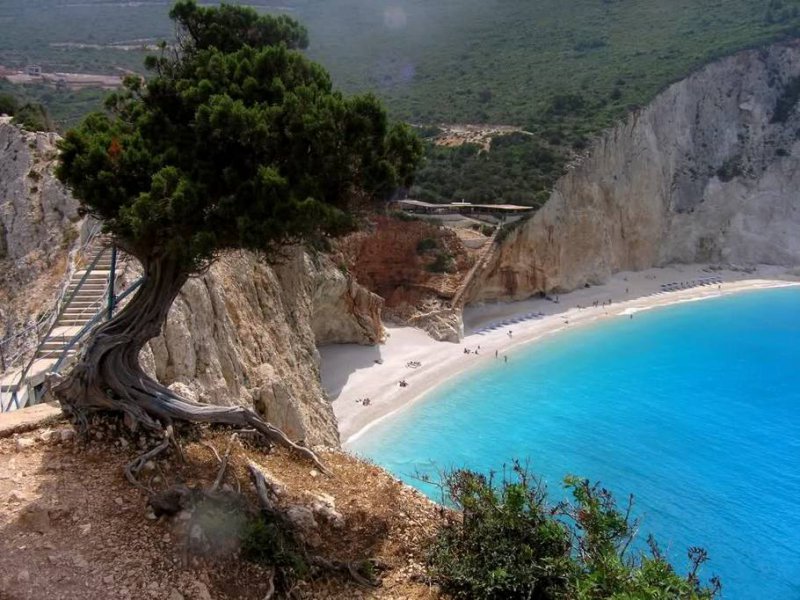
(463, 208)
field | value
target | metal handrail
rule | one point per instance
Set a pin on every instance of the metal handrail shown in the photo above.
(23, 376)
(89, 326)
(47, 319)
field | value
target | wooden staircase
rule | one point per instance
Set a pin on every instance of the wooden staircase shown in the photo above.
(489, 250)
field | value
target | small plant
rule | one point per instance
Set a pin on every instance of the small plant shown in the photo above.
(786, 102)
(403, 216)
(508, 228)
(730, 168)
(443, 263)
(425, 245)
(70, 235)
(268, 543)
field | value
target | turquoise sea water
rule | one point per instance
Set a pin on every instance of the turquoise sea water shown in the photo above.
(694, 408)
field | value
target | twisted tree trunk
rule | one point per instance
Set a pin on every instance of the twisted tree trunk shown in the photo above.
(108, 376)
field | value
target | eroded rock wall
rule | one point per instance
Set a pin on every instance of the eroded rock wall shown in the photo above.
(246, 333)
(398, 260)
(708, 172)
(39, 224)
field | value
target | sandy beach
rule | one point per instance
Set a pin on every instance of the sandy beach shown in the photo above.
(352, 373)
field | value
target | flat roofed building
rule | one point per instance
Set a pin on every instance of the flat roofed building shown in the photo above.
(464, 208)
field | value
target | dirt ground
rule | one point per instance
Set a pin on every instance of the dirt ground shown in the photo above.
(72, 526)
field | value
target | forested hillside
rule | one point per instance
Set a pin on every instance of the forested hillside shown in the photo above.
(560, 70)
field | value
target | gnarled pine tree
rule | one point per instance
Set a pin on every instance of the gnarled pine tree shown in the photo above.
(236, 141)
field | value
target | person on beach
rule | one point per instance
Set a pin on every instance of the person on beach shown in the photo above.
(509, 333)
(496, 353)
(505, 358)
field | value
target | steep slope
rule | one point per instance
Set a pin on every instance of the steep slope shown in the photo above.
(707, 173)
(243, 333)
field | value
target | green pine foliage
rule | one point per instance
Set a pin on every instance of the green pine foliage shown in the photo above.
(248, 146)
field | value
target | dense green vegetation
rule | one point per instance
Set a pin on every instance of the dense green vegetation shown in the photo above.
(519, 169)
(30, 115)
(64, 107)
(508, 542)
(561, 70)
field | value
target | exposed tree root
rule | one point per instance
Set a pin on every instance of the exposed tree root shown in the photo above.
(223, 465)
(133, 467)
(268, 492)
(109, 377)
(270, 585)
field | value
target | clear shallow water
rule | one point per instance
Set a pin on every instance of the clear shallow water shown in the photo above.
(694, 408)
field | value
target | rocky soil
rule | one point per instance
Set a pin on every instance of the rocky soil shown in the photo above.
(73, 527)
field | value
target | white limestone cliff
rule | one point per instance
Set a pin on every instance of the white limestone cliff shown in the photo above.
(705, 173)
(246, 333)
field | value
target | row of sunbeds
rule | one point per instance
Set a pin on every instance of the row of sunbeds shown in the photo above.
(685, 285)
(509, 321)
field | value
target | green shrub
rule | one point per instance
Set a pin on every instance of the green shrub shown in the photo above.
(505, 541)
(505, 230)
(268, 543)
(404, 216)
(730, 168)
(426, 244)
(8, 104)
(443, 263)
(33, 117)
(786, 102)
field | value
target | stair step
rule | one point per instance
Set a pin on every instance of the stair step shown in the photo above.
(53, 345)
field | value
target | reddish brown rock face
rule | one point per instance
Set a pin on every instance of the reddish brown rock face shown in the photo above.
(397, 260)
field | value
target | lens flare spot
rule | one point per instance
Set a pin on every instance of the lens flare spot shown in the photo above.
(394, 17)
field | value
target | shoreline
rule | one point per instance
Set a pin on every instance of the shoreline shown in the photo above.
(352, 373)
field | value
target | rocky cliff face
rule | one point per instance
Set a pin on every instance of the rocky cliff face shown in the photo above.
(39, 223)
(415, 266)
(246, 333)
(708, 172)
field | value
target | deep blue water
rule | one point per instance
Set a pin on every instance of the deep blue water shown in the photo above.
(694, 408)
